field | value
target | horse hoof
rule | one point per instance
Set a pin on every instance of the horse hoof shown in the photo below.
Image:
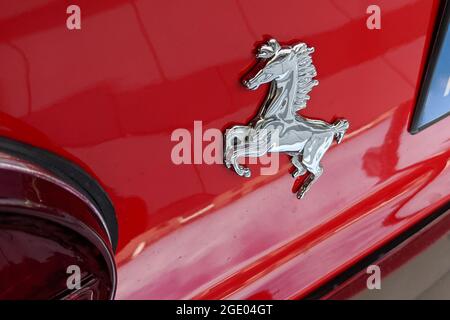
(297, 173)
(247, 173)
(301, 194)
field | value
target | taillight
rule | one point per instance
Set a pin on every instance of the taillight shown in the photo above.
(54, 243)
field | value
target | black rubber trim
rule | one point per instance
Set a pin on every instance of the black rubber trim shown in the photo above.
(70, 173)
(439, 35)
(376, 255)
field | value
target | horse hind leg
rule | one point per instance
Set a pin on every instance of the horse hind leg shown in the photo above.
(299, 168)
(312, 154)
(315, 173)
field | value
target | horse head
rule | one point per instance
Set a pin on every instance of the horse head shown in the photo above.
(289, 67)
(275, 63)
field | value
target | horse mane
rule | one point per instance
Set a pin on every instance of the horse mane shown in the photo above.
(305, 76)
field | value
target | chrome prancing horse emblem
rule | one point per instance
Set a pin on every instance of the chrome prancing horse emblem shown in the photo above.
(291, 73)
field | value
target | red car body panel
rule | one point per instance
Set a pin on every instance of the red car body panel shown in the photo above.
(402, 260)
(108, 97)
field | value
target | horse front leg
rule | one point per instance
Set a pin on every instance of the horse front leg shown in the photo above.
(257, 146)
(234, 161)
(234, 137)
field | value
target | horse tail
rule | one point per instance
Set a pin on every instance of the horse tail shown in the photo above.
(339, 128)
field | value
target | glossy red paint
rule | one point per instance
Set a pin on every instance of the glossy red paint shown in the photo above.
(108, 97)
